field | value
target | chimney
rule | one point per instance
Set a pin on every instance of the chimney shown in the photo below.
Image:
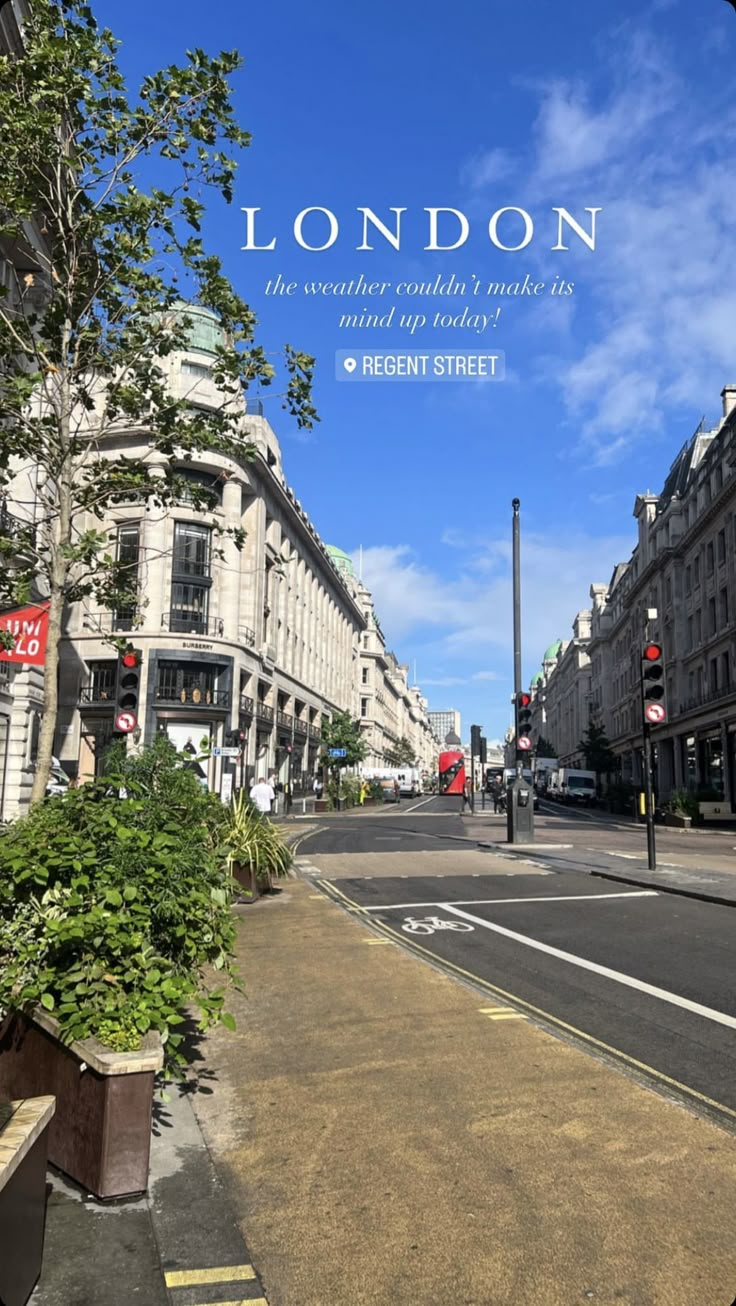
(728, 395)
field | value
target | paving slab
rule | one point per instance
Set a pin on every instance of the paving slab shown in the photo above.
(386, 1140)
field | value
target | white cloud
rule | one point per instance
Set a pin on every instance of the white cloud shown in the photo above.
(467, 615)
(650, 342)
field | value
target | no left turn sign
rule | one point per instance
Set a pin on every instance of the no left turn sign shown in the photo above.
(654, 712)
(125, 722)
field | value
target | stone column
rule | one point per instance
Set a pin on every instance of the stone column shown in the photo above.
(228, 570)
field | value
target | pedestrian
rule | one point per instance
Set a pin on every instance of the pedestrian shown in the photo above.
(496, 794)
(318, 787)
(263, 796)
(363, 792)
(397, 790)
(467, 802)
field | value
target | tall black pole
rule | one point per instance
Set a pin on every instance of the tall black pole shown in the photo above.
(516, 554)
(648, 771)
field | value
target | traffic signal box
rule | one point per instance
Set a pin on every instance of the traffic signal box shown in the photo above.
(475, 740)
(523, 703)
(652, 684)
(127, 691)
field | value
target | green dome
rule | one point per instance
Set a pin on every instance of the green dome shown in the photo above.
(552, 651)
(206, 333)
(535, 680)
(341, 559)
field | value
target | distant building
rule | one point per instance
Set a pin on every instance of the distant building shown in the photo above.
(446, 722)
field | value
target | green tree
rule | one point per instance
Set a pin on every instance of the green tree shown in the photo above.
(113, 185)
(595, 747)
(342, 732)
(545, 748)
(402, 754)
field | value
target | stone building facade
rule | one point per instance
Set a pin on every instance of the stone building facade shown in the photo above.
(683, 567)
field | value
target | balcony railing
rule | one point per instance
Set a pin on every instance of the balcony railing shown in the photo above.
(13, 526)
(89, 695)
(193, 697)
(300, 727)
(285, 719)
(247, 636)
(107, 622)
(264, 712)
(246, 705)
(187, 624)
(705, 697)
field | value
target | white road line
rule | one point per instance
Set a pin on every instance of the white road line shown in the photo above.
(664, 995)
(417, 806)
(499, 902)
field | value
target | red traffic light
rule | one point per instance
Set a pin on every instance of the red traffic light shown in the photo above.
(652, 652)
(523, 699)
(131, 659)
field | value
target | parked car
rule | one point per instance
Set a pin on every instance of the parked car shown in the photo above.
(390, 791)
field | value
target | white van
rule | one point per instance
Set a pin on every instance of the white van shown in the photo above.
(573, 786)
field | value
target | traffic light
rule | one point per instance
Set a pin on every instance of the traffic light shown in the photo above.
(524, 721)
(127, 691)
(652, 682)
(475, 740)
(483, 750)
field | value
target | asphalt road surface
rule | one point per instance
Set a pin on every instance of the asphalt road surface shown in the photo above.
(641, 977)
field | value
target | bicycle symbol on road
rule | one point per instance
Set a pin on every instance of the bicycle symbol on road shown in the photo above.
(431, 923)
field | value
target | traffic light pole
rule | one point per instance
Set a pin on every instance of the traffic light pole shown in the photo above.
(516, 567)
(520, 798)
(648, 771)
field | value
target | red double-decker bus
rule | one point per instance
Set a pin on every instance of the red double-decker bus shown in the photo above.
(452, 773)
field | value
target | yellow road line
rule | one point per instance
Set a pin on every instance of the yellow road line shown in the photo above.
(216, 1274)
(496, 991)
(509, 1015)
(375, 943)
(489, 1011)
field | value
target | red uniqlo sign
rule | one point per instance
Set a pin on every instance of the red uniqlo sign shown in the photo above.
(30, 630)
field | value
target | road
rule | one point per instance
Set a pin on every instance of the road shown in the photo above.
(639, 977)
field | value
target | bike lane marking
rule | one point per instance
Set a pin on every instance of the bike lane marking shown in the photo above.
(617, 1055)
(499, 902)
(709, 1013)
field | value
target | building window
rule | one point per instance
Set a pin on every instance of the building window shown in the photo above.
(696, 573)
(711, 616)
(365, 675)
(364, 707)
(192, 682)
(721, 539)
(688, 580)
(190, 587)
(713, 676)
(128, 557)
(698, 627)
(709, 558)
(725, 671)
(724, 608)
(689, 633)
(102, 680)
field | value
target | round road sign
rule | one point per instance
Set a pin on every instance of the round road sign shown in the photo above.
(524, 742)
(654, 712)
(125, 722)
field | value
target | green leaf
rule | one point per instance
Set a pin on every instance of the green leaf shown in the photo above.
(227, 1020)
(48, 1001)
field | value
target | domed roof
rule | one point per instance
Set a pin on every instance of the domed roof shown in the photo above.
(552, 651)
(535, 679)
(341, 559)
(206, 333)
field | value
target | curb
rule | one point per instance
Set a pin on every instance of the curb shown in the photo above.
(698, 894)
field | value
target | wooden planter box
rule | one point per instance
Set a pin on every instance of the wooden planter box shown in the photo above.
(23, 1146)
(101, 1132)
(248, 881)
(321, 805)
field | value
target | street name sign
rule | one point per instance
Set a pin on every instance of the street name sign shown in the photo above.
(337, 752)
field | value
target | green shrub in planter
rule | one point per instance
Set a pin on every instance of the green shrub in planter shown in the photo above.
(254, 842)
(115, 909)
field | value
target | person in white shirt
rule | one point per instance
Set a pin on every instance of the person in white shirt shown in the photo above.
(262, 795)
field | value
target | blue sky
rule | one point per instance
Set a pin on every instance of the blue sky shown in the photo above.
(479, 106)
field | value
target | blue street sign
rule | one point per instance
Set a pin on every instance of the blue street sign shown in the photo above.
(337, 752)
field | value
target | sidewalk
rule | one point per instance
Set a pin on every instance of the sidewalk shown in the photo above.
(385, 1143)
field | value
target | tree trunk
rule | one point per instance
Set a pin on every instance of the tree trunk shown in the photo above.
(50, 698)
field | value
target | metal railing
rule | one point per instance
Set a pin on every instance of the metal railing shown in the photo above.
(264, 711)
(246, 705)
(284, 719)
(192, 697)
(88, 695)
(247, 636)
(107, 622)
(183, 624)
(300, 727)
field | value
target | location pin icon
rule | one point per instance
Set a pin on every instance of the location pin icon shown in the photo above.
(350, 364)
